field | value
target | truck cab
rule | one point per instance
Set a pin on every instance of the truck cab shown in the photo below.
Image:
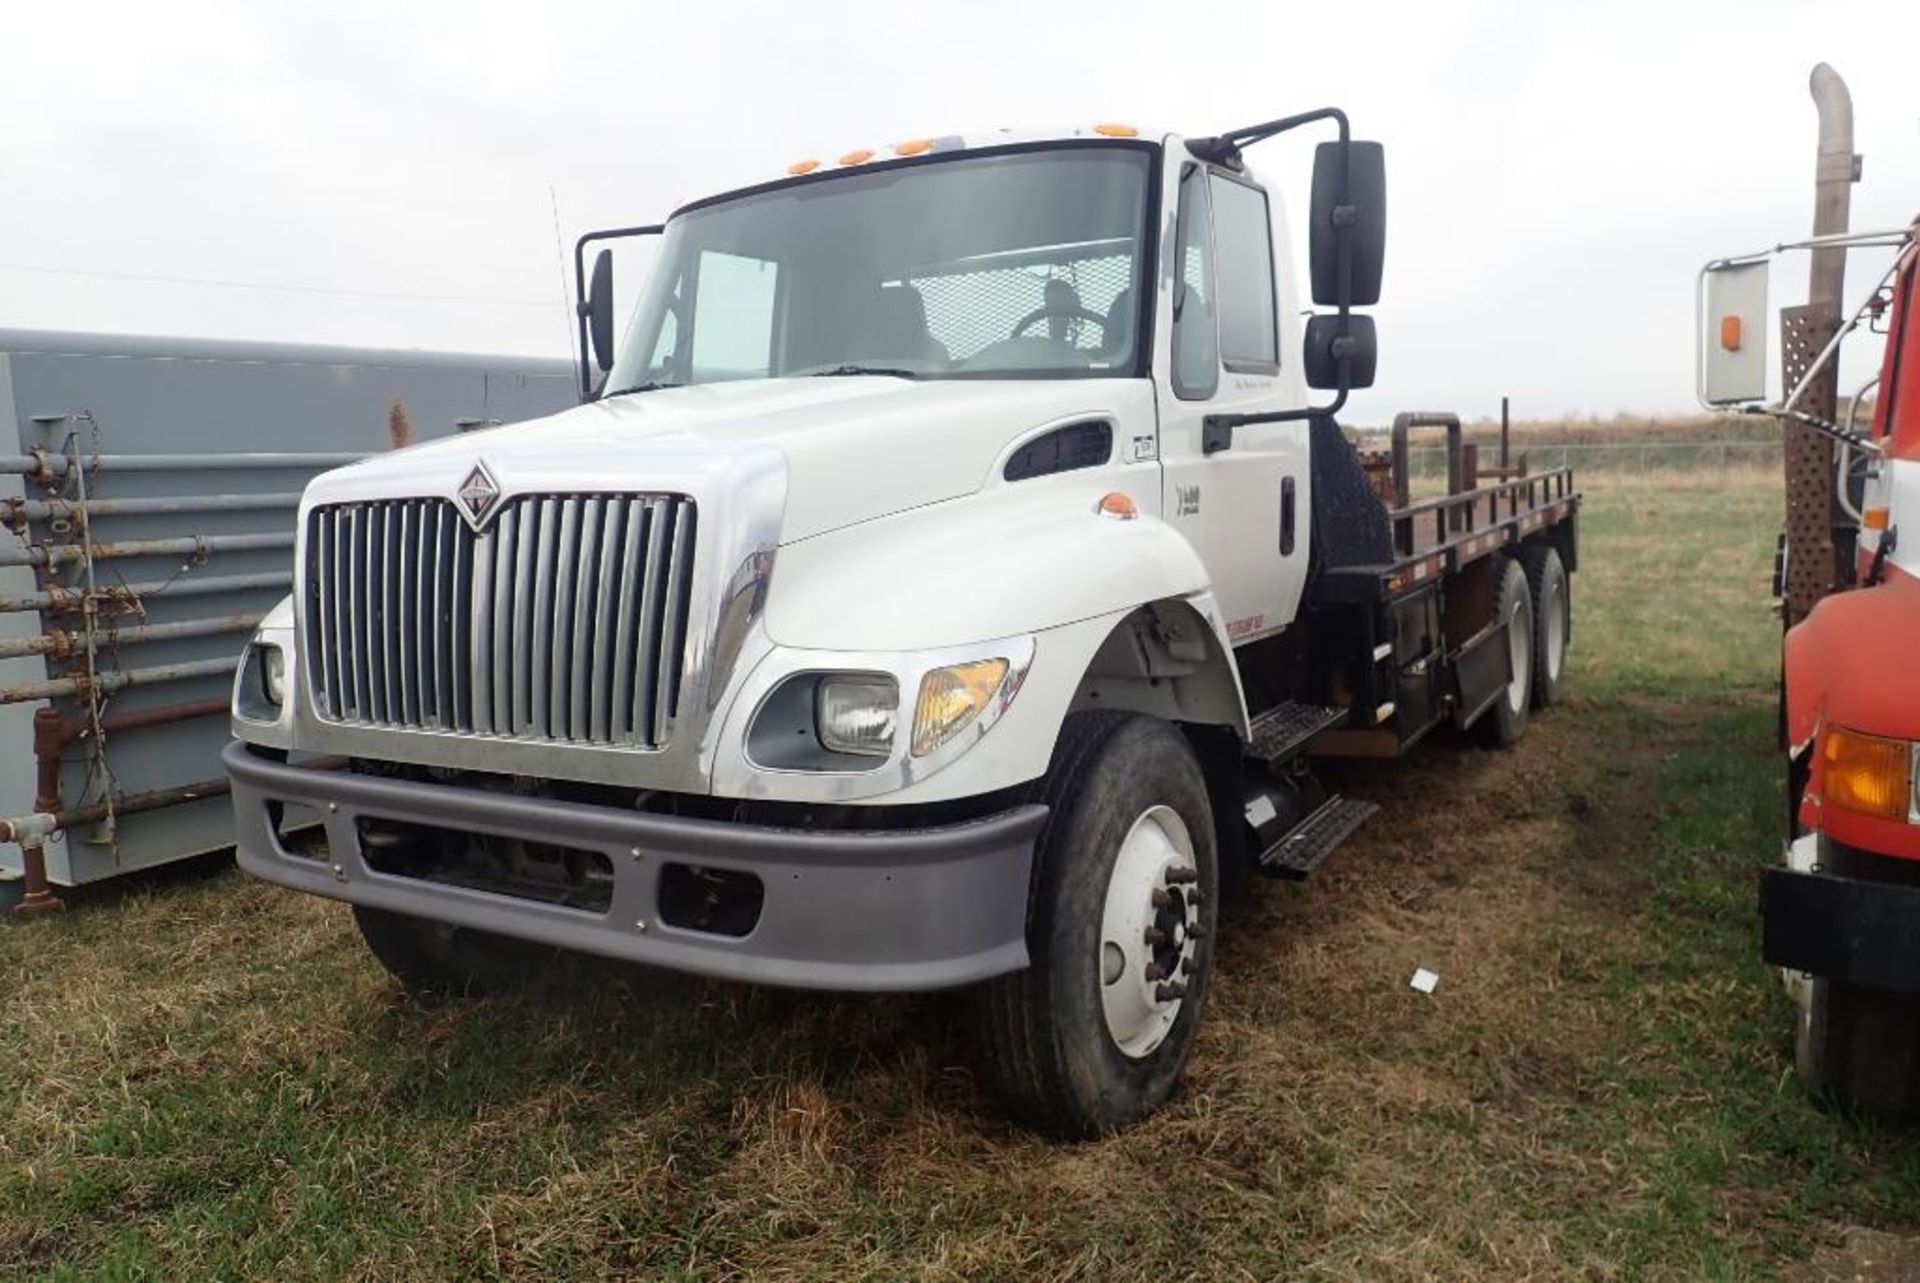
(944, 584)
(1840, 905)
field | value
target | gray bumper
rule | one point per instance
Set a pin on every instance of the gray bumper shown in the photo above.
(858, 910)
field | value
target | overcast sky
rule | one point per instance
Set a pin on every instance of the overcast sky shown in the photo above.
(1557, 174)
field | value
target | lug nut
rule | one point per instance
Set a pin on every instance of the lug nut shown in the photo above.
(1162, 899)
(1188, 967)
(1169, 991)
(1196, 896)
(1156, 937)
(1196, 932)
(1155, 972)
(1181, 877)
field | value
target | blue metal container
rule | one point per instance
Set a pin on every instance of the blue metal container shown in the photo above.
(150, 502)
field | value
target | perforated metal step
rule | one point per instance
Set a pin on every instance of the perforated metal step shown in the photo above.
(1285, 730)
(1314, 838)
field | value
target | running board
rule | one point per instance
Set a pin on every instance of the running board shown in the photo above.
(1286, 730)
(1314, 838)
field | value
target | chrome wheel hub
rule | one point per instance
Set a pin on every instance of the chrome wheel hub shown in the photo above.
(1149, 931)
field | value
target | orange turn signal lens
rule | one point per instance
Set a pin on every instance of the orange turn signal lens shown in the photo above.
(1730, 333)
(860, 157)
(1117, 505)
(1874, 518)
(913, 147)
(1869, 774)
(806, 166)
(1116, 131)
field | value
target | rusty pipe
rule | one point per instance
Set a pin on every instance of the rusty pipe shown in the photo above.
(48, 464)
(72, 643)
(60, 597)
(196, 546)
(117, 680)
(15, 510)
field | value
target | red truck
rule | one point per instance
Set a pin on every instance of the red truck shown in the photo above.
(1840, 913)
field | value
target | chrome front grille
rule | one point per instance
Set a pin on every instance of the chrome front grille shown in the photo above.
(565, 619)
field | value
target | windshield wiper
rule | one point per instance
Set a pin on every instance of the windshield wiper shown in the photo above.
(651, 385)
(840, 371)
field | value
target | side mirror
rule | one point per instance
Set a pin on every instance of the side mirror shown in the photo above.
(1348, 207)
(1732, 343)
(600, 310)
(1333, 339)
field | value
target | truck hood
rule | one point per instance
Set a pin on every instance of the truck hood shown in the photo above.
(856, 448)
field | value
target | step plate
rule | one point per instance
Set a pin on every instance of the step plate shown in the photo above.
(1314, 838)
(1285, 730)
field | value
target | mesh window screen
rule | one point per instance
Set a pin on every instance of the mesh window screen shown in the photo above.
(970, 309)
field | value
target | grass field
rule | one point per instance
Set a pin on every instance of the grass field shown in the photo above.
(207, 1078)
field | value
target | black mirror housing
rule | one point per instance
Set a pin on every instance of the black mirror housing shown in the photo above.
(1325, 348)
(1363, 225)
(600, 310)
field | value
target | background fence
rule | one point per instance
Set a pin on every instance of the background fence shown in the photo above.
(1430, 461)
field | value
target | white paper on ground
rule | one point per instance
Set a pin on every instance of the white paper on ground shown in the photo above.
(1424, 980)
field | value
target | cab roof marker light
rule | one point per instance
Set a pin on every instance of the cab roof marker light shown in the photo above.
(806, 166)
(859, 157)
(913, 147)
(1116, 131)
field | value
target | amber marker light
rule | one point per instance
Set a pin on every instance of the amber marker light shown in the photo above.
(1874, 518)
(1119, 506)
(1869, 774)
(1116, 131)
(806, 166)
(913, 147)
(859, 157)
(1731, 332)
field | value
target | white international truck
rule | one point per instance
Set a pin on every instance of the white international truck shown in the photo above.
(946, 583)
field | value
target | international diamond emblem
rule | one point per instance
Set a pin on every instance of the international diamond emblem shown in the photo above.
(477, 495)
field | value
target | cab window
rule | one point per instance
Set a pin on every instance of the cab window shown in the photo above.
(1248, 322)
(1196, 343)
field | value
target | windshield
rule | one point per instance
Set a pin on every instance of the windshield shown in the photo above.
(1015, 265)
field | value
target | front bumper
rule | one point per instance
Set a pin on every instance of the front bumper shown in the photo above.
(1854, 930)
(904, 910)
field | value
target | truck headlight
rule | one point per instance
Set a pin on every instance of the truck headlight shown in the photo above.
(855, 714)
(951, 698)
(273, 674)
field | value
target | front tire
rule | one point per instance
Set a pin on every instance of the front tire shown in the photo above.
(1095, 1033)
(438, 960)
(1860, 1048)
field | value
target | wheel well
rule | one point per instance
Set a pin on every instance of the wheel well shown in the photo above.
(1164, 659)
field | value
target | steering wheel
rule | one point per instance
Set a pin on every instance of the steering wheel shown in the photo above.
(1067, 311)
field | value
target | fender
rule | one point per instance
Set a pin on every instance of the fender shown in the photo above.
(1845, 666)
(1015, 559)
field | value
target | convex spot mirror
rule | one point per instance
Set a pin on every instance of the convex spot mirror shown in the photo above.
(1732, 343)
(1325, 347)
(1362, 225)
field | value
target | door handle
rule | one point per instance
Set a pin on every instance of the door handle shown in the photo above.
(1286, 516)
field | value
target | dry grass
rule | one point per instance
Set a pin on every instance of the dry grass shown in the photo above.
(205, 1077)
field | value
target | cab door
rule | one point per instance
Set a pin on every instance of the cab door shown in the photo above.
(1224, 323)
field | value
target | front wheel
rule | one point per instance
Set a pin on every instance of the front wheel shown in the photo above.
(1860, 1048)
(439, 960)
(1094, 1034)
